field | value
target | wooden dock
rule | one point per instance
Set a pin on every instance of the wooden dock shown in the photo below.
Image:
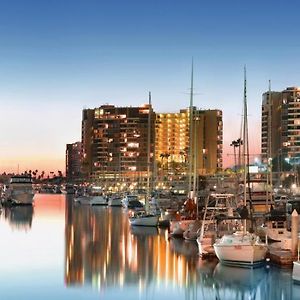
(283, 258)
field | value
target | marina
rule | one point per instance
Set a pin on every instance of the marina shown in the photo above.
(83, 251)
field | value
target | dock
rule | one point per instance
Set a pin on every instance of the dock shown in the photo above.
(283, 258)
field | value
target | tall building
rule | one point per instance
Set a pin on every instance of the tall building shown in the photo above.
(282, 125)
(73, 161)
(173, 135)
(115, 142)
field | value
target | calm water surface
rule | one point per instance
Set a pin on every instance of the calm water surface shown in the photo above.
(57, 250)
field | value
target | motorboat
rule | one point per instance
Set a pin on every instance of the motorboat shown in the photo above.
(114, 201)
(132, 202)
(84, 199)
(98, 200)
(18, 192)
(129, 198)
(296, 271)
(97, 197)
(143, 219)
(219, 218)
(241, 248)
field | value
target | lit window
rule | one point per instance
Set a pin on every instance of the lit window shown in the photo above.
(133, 145)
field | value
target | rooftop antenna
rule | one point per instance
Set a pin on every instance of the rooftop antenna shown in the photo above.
(191, 117)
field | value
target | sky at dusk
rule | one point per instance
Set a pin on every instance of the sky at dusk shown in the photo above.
(60, 56)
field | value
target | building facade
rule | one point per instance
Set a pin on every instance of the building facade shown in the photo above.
(115, 142)
(280, 135)
(173, 141)
(73, 161)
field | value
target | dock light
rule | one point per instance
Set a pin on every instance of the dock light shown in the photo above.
(293, 186)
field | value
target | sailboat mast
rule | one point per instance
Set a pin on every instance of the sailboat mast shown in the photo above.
(149, 150)
(245, 135)
(191, 120)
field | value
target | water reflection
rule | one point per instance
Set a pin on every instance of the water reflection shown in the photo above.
(102, 250)
(186, 248)
(239, 283)
(80, 246)
(19, 217)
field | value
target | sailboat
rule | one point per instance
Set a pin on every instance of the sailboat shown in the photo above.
(241, 247)
(144, 218)
(178, 227)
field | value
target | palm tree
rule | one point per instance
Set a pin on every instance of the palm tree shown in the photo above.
(167, 155)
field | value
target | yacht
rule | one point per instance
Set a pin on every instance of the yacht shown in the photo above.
(141, 218)
(114, 201)
(19, 191)
(219, 218)
(98, 200)
(97, 197)
(132, 202)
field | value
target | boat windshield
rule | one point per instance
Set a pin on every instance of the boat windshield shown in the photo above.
(135, 203)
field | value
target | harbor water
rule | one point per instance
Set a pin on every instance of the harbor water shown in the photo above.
(61, 250)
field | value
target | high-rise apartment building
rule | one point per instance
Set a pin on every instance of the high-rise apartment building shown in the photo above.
(280, 136)
(73, 161)
(173, 135)
(115, 141)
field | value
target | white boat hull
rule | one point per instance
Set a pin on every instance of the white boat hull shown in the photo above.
(115, 202)
(296, 271)
(144, 221)
(84, 200)
(98, 200)
(241, 254)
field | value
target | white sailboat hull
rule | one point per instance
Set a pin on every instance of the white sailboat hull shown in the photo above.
(144, 221)
(241, 254)
(296, 271)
